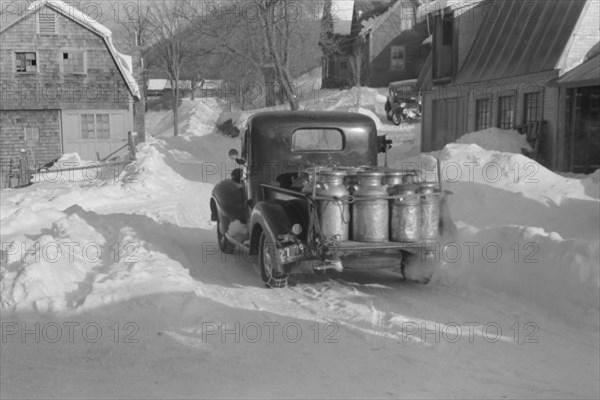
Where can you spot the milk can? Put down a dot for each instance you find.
(351, 180)
(406, 214)
(370, 211)
(393, 178)
(334, 215)
(430, 211)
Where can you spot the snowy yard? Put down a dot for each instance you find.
(113, 285)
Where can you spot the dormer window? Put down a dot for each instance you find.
(46, 23)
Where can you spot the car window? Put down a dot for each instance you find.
(317, 140)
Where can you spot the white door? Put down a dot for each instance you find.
(94, 134)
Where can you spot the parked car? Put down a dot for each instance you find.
(403, 102)
(308, 191)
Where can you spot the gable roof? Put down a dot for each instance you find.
(587, 74)
(123, 62)
(524, 38)
(372, 24)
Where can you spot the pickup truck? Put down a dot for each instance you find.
(269, 208)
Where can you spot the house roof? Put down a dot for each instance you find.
(372, 24)
(586, 74)
(123, 62)
(524, 38)
(458, 6)
(165, 84)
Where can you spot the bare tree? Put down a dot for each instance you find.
(355, 62)
(267, 36)
(168, 21)
(136, 25)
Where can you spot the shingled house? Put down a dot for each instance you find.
(384, 33)
(64, 86)
(498, 63)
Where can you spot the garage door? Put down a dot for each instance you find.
(94, 134)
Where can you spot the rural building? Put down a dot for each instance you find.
(158, 87)
(384, 38)
(64, 86)
(505, 63)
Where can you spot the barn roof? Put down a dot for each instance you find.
(124, 62)
(586, 74)
(524, 38)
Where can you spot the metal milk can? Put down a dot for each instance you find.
(370, 211)
(351, 180)
(406, 214)
(393, 178)
(334, 215)
(430, 211)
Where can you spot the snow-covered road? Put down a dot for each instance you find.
(115, 289)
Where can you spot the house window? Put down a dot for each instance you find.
(397, 58)
(533, 109)
(46, 23)
(483, 114)
(26, 62)
(73, 62)
(443, 46)
(95, 126)
(506, 112)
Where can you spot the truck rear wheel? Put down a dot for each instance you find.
(271, 270)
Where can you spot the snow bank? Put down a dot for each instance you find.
(522, 229)
(505, 140)
(559, 274)
(72, 265)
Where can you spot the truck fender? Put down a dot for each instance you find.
(276, 217)
(227, 200)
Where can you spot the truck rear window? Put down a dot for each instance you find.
(317, 140)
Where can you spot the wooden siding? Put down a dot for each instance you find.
(12, 134)
(101, 87)
(379, 72)
(434, 138)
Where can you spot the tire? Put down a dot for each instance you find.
(224, 244)
(397, 117)
(388, 110)
(271, 271)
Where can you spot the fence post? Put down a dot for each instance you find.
(25, 177)
(132, 141)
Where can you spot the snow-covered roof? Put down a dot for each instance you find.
(458, 6)
(374, 23)
(157, 84)
(165, 84)
(212, 83)
(123, 61)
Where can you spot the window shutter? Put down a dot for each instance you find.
(47, 23)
